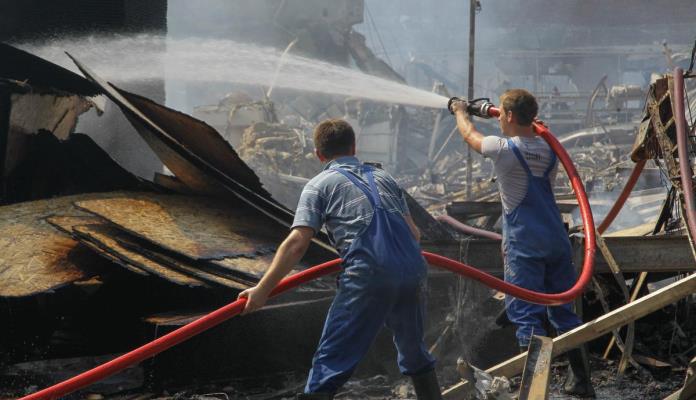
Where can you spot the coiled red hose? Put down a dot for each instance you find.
(222, 314)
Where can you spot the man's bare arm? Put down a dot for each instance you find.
(466, 127)
(288, 255)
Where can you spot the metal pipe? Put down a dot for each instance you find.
(468, 229)
(683, 151)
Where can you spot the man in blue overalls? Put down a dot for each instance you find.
(383, 277)
(536, 249)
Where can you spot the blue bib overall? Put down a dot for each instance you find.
(381, 284)
(538, 256)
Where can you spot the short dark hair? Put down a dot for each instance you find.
(522, 103)
(334, 137)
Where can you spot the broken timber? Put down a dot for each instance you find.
(627, 346)
(596, 328)
(537, 369)
(222, 237)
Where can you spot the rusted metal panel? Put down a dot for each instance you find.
(201, 229)
(34, 256)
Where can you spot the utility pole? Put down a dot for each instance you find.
(473, 6)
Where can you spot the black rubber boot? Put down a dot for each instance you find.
(578, 381)
(315, 396)
(427, 386)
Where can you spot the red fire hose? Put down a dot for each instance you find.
(222, 314)
(618, 204)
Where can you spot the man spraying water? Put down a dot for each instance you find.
(383, 276)
(536, 249)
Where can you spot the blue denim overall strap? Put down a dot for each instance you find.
(538, 255)
(381, 284)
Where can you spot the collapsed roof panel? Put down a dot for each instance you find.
(34, 256)
(213, 232)
(173, 260)
(111, 250)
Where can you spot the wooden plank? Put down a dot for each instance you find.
(598, 327)
(109, 240)
(196, 227)
(34, 256)
(537, 369)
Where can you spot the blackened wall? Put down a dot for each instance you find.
(22, 20)
(41, 20)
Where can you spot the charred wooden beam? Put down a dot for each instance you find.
(537, 369)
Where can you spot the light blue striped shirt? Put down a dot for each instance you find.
(331, 199)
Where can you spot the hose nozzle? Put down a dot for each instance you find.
(477, 107)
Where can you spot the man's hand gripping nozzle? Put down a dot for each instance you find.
(476, 107)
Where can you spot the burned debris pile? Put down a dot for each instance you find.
(94, 260)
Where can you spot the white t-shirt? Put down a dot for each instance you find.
(512, 178)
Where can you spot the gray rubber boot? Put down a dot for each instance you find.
(578, 381)
(427, 386)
